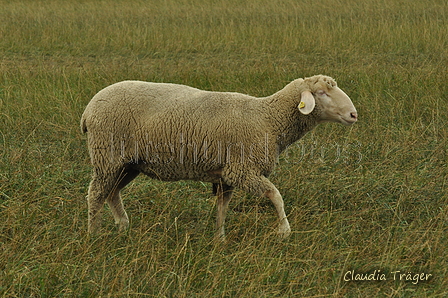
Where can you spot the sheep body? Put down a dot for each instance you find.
(175, 132)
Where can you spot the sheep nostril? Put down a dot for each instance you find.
(354, 115)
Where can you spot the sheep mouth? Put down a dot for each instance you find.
(348, 120)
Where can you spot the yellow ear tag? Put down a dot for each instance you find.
(301, 105)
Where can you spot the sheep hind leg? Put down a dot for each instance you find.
(95, 200)
(224, 194)
(115, 202)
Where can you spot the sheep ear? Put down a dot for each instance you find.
(307, 103)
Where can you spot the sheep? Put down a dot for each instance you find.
(175, 132)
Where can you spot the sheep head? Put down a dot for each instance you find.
(334, 105)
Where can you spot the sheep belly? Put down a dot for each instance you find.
(176, 172)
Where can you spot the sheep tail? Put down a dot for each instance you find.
(83, 124)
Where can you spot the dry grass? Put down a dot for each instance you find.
(370, 197)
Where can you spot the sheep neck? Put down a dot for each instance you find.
(287, 123)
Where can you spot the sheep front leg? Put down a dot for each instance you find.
(224, 194)
(284, 230)
(261, 186)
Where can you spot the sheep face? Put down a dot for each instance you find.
(335, 106)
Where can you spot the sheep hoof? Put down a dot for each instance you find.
(123, 225)
(220, 237)
(284, 232)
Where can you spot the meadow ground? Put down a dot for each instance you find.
(369, 200)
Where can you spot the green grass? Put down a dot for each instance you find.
(369, 197)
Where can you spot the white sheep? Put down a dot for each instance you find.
(175, 132)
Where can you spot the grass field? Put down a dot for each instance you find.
(362, 201)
